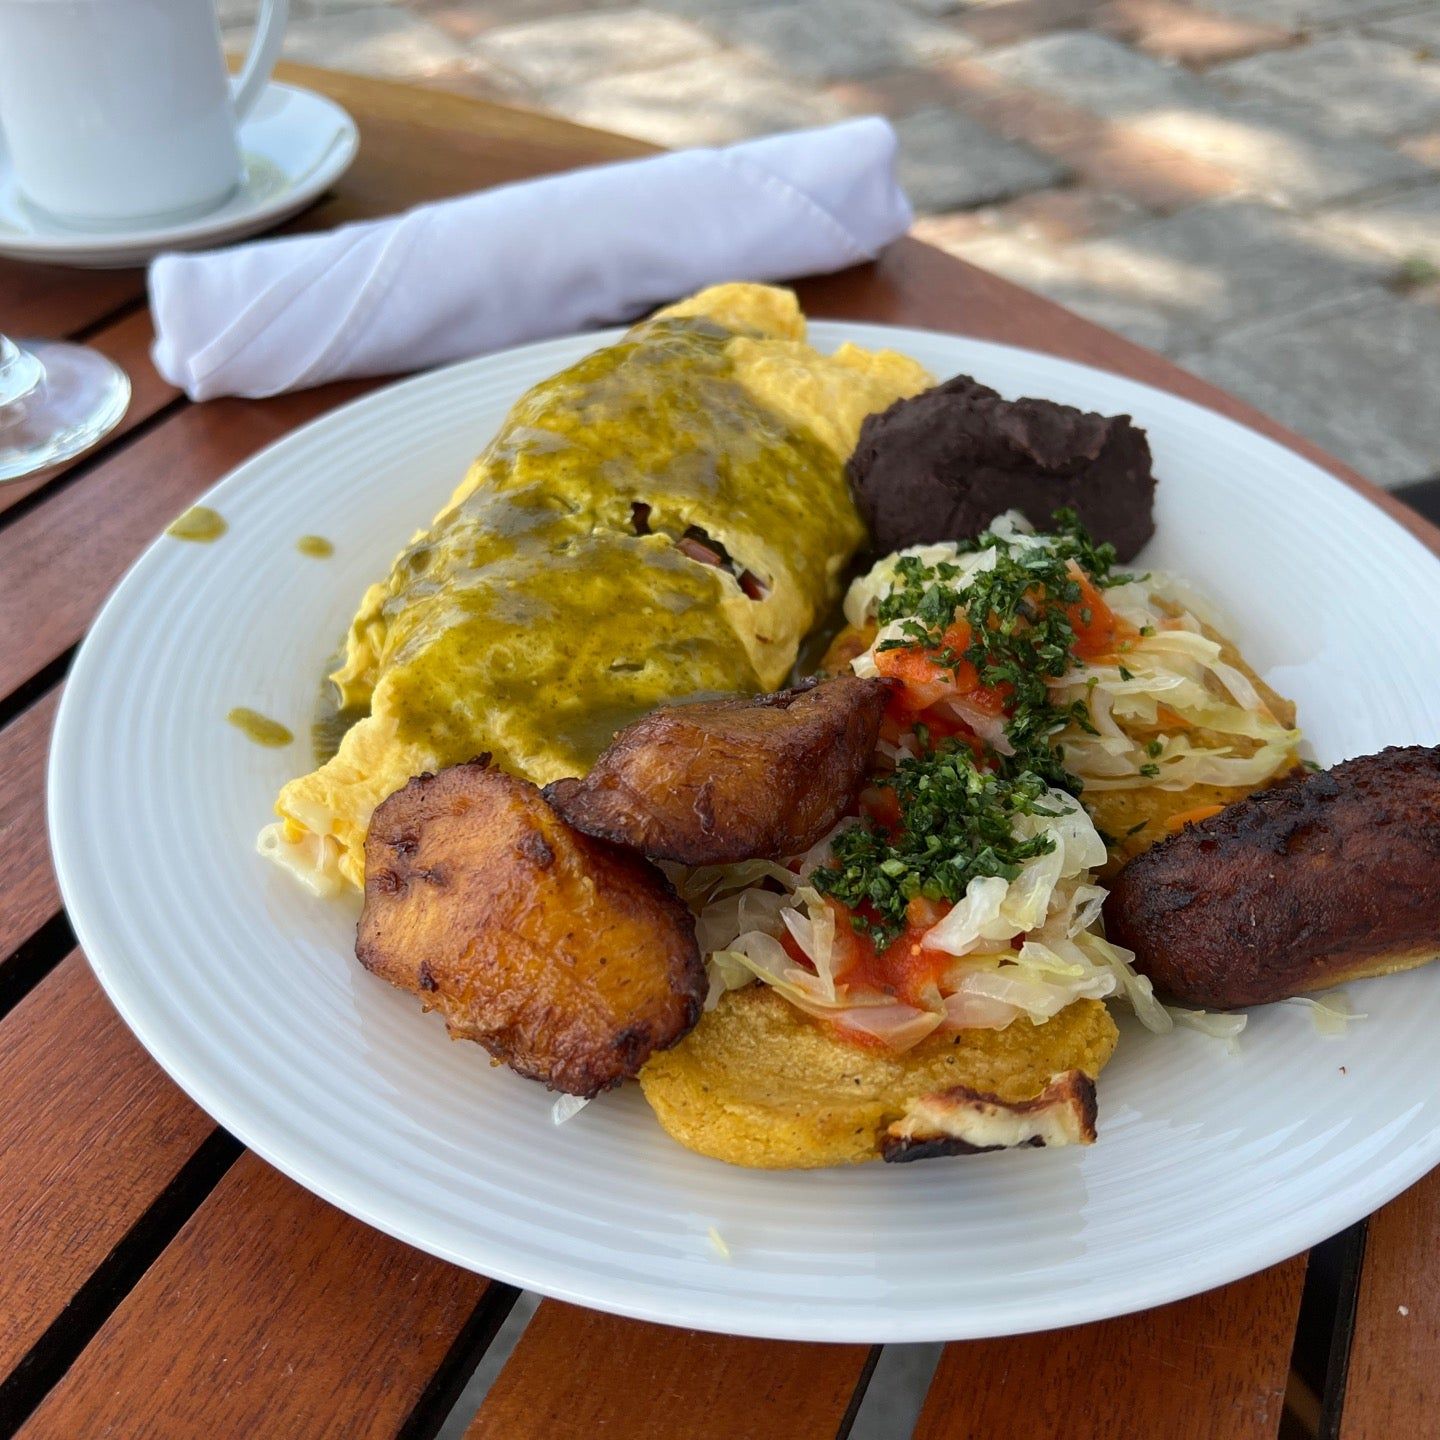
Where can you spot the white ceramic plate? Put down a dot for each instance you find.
(1209, 1166)
(294, 143)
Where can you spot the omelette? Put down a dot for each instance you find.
(664, 520)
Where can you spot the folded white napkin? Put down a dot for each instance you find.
(522, 262)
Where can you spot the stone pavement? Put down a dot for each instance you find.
(1250, 186)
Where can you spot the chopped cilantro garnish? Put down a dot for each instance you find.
(956, 817)
(1020, 628)
(1154, 747)
(956, 823)
(1150, 771)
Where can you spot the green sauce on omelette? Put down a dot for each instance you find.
(537, 585)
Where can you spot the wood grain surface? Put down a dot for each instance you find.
(1209, 1368)
(91, 1132)
(580, 1375)
(51, 302)
(29, 896)
(271, 1314)
(1394, 1383)
(418, 145)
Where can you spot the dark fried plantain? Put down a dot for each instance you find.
(1324, 878)
(730, 780)
(571, 961)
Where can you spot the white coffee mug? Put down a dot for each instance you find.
(119, 113)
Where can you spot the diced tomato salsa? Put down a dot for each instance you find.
(904, 969)
(927, 677)
(1099, 631)
(926, 681)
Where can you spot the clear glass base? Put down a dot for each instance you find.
(55, 401)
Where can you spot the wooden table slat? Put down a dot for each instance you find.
(52, 302)
(91, 1132)
(577, 1374)
(271, 1314)
(421, 145)
(1393, 1386)
(1209, 1368)
(127, 342)
(29, 896)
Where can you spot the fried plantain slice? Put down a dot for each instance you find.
(726, 780)
(757, 1083)
(571, 961)
(1324, 878)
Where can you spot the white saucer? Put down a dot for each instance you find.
(295, 144)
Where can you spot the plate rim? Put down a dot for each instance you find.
(706, 1310)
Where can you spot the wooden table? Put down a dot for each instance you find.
(158, 1280)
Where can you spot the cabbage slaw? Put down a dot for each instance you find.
(1170, 663)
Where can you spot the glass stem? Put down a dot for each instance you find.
(20, 372)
